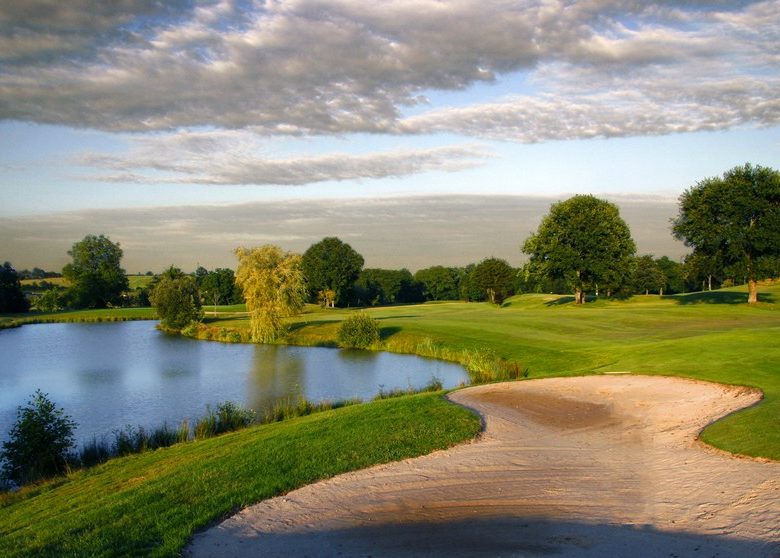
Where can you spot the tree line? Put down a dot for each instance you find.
(731, 223)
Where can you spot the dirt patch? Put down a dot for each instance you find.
(594, 466)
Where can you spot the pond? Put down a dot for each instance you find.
(107, 376)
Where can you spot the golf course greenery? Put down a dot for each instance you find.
(151, 503)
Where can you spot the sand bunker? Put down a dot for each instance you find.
(593, 466)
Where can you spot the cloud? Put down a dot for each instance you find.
(347, 66)
(236, 158)
(390, 233)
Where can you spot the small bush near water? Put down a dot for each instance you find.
(39, 442)
(358, 331)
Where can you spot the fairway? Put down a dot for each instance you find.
(712, 336)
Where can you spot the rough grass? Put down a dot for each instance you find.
(150, 504)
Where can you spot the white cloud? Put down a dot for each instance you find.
(236, 158)
(345, 66)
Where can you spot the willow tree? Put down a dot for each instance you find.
(735, 220)
(273, 286)
(584, 242)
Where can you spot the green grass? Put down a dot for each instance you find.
(150, 504)
(104, 315)
(710, 336)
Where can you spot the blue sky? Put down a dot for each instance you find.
(111, 107)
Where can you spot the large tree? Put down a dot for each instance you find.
(11, 296)
(584, 241)
(96, 278)
(439, 282)
(176, 297)
(273, 286)
(735, 218)
(495, 277)
(387, 286)
(331, 266)
(219, 287)
(648, 276)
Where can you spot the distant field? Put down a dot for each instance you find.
(134, 280)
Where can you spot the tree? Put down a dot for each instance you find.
(12, 298)
(494, 277)
(331, 265)
(39, 442)
(584, 241)
(648, 275)
(736, 219)
(387, 286)
(439, 282)
(219, 287)
(176, 297)
(674, 273)
(273, 286)
(95, 276)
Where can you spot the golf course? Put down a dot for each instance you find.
(153, 503)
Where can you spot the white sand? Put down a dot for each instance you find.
(593, 466)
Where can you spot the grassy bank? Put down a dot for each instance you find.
(710, 336)
(77, 316)
(150, 504)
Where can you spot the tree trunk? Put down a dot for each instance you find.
(752, 291)
(709, 282)
(579, 296)
(661, 291)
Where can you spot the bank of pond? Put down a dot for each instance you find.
(119, 380)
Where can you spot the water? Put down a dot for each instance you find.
(107, 376)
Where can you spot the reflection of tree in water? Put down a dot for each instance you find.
(277, 373)
(357, 356)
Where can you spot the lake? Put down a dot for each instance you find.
(107, 376)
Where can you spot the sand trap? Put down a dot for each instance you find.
(593, 466)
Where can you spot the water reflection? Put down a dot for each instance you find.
(109, 375)
(277, 373)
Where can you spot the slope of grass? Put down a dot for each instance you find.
(150, 504)
(710, 336)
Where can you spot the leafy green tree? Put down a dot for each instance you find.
(673, 271)
(176, 297)
(50, 301)
(387, 286)
(273, 286)
(495, 277)
(96, 278)
(468, 291)
(12, 298)
(584, 241)
(39, 442)
(439, 282)
(735, 218)
(331, 265)
(648, 275)
(219, 287)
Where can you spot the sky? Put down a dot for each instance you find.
(421, 132)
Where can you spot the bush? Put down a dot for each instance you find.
(39, 442)
(359, 331)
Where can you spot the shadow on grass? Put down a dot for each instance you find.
(718, 297)
(387, 332)
(498, 536)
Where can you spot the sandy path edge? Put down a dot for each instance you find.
(583, 466)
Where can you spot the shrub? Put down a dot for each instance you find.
(229, 416)
(359, 331)
(39, 442)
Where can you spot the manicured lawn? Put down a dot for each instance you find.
(150, 504)
(710, 336)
